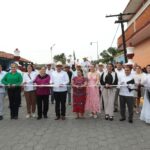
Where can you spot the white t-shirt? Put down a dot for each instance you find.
(133, 72)
(120, 73)
(49, 72)
(29, 79)
(36, 72)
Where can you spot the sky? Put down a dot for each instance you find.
(33, 26)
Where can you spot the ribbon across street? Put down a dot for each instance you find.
(63, 85)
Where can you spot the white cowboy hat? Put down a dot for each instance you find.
(100, 64)
(59, 63)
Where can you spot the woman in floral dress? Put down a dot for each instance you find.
(79, 94)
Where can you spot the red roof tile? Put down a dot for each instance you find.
(11, 56)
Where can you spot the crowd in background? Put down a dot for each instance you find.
(87, 87)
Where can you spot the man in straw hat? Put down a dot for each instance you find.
(60, 80)
(100, 69)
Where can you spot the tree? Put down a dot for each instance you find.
(109, 55)
(60, 57)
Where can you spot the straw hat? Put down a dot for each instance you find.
(59, 63)
(100, 64)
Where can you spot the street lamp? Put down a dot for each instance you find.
(97, 48)
(51, 49)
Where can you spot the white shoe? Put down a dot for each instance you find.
(91, 115)
(28, 116)
(33, 115)
(94, 116)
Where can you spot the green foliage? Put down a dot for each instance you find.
(60, 57)
(109, 55)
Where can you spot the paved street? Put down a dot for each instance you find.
(72, 134)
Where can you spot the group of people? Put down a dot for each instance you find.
(91, 89)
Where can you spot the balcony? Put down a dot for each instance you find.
(138, 30)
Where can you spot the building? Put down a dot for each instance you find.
(6, 59)
(119, 58)
(137, 33)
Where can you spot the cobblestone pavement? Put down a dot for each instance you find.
(72, 134)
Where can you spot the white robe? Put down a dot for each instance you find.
(145, 113)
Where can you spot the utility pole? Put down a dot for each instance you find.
(122, 21)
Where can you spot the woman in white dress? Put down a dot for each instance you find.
(145, 113)
(138, 77)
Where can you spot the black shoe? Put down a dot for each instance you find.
(111, 118)
(106, 117)
(16, 118)
(63, 118)
(122, 119)
(11, 117)
(45, 116)
(130, 121)
(38, 118)
(115, 110)
(1, 117)
(57, 118)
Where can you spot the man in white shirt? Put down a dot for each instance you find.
(85, 66)
(60, 80)
(69, 63)
(133, 71)
(49, 71)
(100, 69)
(120, 72)
(127, 94)
(2, 92)
(85, 63)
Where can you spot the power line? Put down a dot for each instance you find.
(115, 35)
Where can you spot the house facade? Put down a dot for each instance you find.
(6, 59)
(137, 33)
